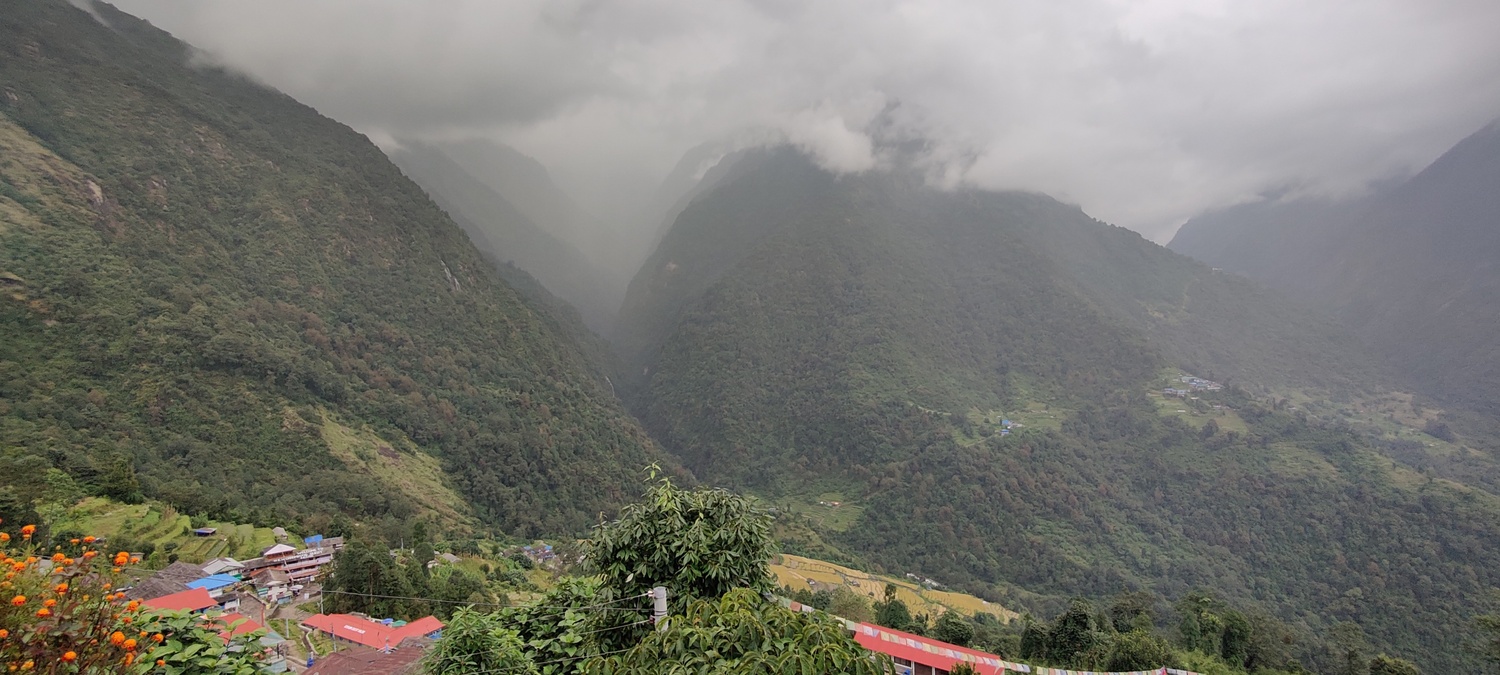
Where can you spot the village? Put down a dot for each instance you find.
(274, 593)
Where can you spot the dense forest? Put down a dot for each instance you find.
(864, 335)
(205, 281)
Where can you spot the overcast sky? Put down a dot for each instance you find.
(1143, 112)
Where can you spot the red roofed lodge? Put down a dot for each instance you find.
(374, 634)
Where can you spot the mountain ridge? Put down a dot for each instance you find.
(198, 268)
(981, 376)
(1392, 266)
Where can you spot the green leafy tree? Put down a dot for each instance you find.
(1235, 641)
(565, 625)
(1133, 611)
(364, 579)
(697, 543)
(1488, 626)
(195, 645)
(1033, 640)
(849, 605)
(1350, 642)
(1138, 650)
(1073, 634)
(892, 612)
(475, 642)
(953, 628)
(1390, 665)
(742, 633)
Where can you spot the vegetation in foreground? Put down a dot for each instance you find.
(62, 614)
(711, 549)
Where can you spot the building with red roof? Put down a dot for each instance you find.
(363, 661)
(917, 655)
(373, 634)
(192, 600)
(246, 625)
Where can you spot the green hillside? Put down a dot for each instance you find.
(1409, 268)
(502, 230)
(199, 274)
(801, 334)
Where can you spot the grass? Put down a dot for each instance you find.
(398, 464)
(1188, 411)
(797, 572)
(828, 511)
(1035, 415)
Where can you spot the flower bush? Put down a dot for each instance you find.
(62, 613)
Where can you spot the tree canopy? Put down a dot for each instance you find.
(742, 633)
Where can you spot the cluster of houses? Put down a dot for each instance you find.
(223, 586)
(539, 554)
(1198, 384)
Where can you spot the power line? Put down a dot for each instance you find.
(605, 606)
(513, 669)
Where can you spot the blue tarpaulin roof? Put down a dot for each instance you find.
(215, 581)
(313, 539)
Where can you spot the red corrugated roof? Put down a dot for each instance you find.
(926, 651)
(191, 600)
(247, 624)
(362, 661)
(370, 633)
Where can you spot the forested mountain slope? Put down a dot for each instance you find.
(502, 230)
(799, 333)
(215, 296)
(1411, 269)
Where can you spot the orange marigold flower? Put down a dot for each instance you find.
(89, 539)
(43, 613)
(129, 659)
(28, 530)
(4, 537)
(49, 602)
(58, 557)
(161, 662)
(61, 588)
(18, 600)
(68, 561)
(72, 541)
(115, 570)
(135, 560)
(88, 555)
(28, 665)
(129, 645)
(70, 656)
(158, 637)
(4, 633)
(125, 620)
(134, 605)
(116, 638)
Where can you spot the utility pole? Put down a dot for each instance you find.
(659, 607)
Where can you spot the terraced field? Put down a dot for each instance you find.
(169, 531)
(798, 572)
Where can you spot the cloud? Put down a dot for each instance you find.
(1144, 112)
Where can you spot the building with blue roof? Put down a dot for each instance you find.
(214, 584)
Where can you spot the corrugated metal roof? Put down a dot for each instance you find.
(215, 581)
(191, 600)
